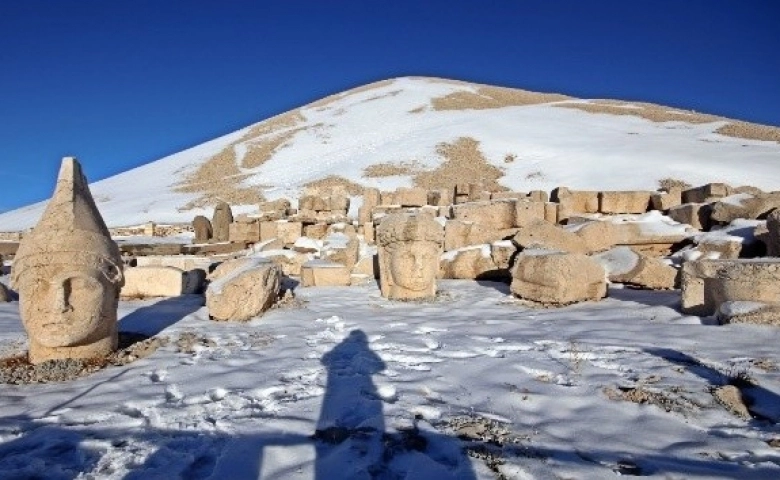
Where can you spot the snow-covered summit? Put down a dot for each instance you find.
(416, 130)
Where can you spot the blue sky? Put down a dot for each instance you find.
(122, 83)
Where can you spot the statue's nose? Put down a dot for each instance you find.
(63, 301)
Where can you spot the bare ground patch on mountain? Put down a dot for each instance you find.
(333, 183)
(324, 103)
(220, 178)
(392, 169)
(660, 113)
(487, 97)
(463, 163)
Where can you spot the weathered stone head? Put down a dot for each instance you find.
(409, 250)
(68, 273)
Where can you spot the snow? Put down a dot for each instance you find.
(566, 146)
(247, 405)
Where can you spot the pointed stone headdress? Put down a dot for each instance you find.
(71, 231)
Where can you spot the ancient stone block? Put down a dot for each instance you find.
(526, 212)
(499, 214)
(558, 278)
(706, 193)
(322, 273)
(244, 232)
(411, 197)
(542, 234)
(572, 202)
(551, 212)
(278, 205)
(663, 201)
(538, 196)
(409, 250)
(650, 273)
(68, 273)
(220, 222)
(470, 263)
(696, 215)
(773, 234)
(157, 281)
(748, 312)
(744, 205)
(288, 232)
(317, 231)
(202, 227)
(245, 292)
(616, 202)
(706, 284)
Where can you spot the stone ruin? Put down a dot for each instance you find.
(68, 273)
(552, 249)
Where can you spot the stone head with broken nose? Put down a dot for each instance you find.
(68, 273)
(409, 250)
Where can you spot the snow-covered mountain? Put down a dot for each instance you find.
(432, 132)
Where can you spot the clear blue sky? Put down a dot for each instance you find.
(121, 83)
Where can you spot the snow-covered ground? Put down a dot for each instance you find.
(385, 124)
(391, 385)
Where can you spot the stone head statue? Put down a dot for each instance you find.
(409, 250)
(68, 273)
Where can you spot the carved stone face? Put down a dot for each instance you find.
(63, 306)
(413, 265)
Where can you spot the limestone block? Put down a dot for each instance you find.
(597, 236)
(459, 234)
(538, 196)
(542, 234)
(269, 230)
(245, 292)
(347, 229)
(649, 272)
(663, 201)
(773, 234)
(371, 197)
(706, 193)
(499, 214)
(616, 202)
(551, 212)
(509, 196)
(696, 215)
(265, 245)
(388, 198)
(706, 284)
(314, 203)
(753, 313)
(156, 281)
(288, 232)
(246, 232)
(411, 197)
(317, 231)
(220, 222)
(202, 227)
(365, 214)
(5, 294)
(470, 263)
(461, 199)
(558, 278)
(369, 233)
(278, 205)
(339, 202)
(572, 202)
(745, 205)
(526, 212)
(182, 262)
(290, 261)
(322, 273)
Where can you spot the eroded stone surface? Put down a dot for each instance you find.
(558, 278)
(246, 291)
(68, 273)
(409, 250)
(220, 222)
